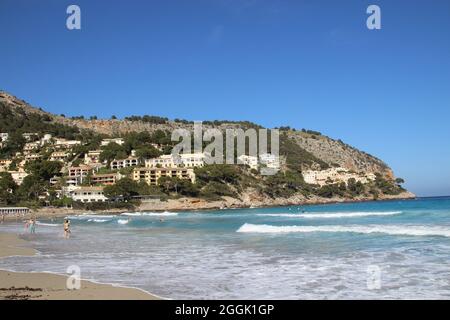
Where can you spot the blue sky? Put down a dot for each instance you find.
(311, 64)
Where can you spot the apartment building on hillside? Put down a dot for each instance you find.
(125, 163)
(152, 175)
(88, 194)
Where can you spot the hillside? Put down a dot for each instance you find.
(301, 151)
(319, 146)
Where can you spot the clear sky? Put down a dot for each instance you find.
(311, 64)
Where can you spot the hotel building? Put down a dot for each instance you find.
(33, 157)
(106, 179)
(88, 194)
(81, 171)
(125, 163)
(66, 144)
(152, 175)
(188, 160)
(58, 156)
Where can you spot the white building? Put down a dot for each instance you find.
(92, 157)
(55, 180)
(46, 139)
(4, 164)
(30, 136)
(88, 194)
(270, 160)
(4, 136)
(80, 171)
(125, 163)
(250, 161)
(59, 156)
(30, 146)
(73, 181)
(191, 160)
(66, 144)
(164, 161)
(119, 141)
(188, 160)
(18, 176)
(33, 157)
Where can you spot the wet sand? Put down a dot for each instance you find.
(47, 286)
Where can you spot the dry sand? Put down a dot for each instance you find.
(46, 286)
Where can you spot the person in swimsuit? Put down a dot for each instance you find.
(66, 228)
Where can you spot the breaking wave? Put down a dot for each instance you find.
(122, 221)
(47, 224)
(390, 230)
(99, 220)
(89, 217)
(150, 214)
(330, 215)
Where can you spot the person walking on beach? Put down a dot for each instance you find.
(33, 226)
(66, 229)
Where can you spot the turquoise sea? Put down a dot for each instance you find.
(372, 250)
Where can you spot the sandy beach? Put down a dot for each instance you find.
(46, 286)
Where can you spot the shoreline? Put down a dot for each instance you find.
(51, 286)
(199, 205)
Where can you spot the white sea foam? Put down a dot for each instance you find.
(150, 214)
(331, 215)
(407, 230)
(122, 221)
(47, 224)
(89, 216)
(165, 213)
(99, 220)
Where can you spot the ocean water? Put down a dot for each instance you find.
(373, 250)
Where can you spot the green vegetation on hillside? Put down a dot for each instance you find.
(36, 184)
(148, 119)
(22, 122)
(242, 124)
(296, 157)
(18, 122)
(141, 142)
